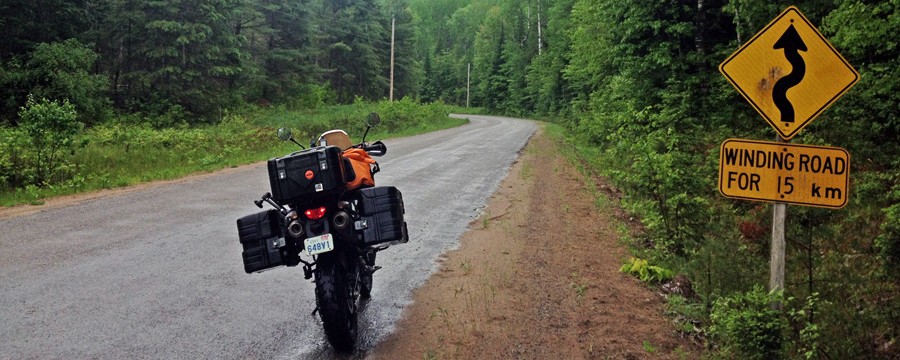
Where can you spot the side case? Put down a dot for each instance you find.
(260, 235)
(315, 171)
(381, 211)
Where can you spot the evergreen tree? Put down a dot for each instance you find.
(27, 23)
(355, 49)
(287, 56)
(193, 55)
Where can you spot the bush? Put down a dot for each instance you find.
(746, 326)
(62, 70)
(12, 144)
(314, 96)
(51, 127)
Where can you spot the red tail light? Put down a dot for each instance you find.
(315, 214)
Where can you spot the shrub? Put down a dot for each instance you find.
(11, 144)
(746, 326)
(51, 127)
(62, 70)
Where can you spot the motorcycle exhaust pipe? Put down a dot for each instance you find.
(341, 220)
(343, 224)
(295, 229)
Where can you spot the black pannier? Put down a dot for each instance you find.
(381, 211)
(315, 171)
(260, 234)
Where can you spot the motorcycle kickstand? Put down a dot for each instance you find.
(316, 310)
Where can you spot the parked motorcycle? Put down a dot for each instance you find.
(330, 218)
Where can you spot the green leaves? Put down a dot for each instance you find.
(747, 327)
(51, 127)
(646, 272)
(60, 71)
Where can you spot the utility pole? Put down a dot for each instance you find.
(391, 95)
(539, 27)
(468, 79)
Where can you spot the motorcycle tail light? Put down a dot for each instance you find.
(315, 214)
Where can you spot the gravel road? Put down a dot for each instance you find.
(157, 272)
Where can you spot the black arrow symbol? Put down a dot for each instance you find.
(792, 44)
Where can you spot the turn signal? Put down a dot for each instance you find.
(315, 214)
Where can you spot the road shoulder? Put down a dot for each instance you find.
(536, 276)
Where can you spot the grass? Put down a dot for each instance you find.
(579, 285)
(485, 219)
(648, 347)
(118, 155)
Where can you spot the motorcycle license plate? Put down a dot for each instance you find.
(319, 244)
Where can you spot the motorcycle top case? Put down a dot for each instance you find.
(315, 171)
(381, 211)
(260, 235)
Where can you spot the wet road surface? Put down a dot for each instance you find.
(157, 273)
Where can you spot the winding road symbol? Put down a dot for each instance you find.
(792, 44)
(789, 72)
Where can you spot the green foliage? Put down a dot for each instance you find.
(686, 314)
(807, 345)
(13, 149)
(118, 154)
(314, 96)
(59, 71)
(192, 61)
(649, 348)
(635, 84)
(647, 273)
(51, 127)
(888, 242)
(28, 23)
(864, 33)
(354, 36)
(746, 325)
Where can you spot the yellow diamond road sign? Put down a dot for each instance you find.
(789, 72)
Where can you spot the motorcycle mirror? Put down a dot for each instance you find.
(284, 134)
(373, 120)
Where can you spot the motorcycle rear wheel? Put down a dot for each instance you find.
(337, 303)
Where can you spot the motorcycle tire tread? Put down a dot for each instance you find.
(338, 320)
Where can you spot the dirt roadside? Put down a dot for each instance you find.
(536, 277)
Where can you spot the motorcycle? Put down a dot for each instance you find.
(329, 217)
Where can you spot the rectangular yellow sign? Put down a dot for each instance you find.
(783, 172)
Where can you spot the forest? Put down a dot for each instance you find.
(633, 84)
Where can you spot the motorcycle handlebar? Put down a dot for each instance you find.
(376, 149)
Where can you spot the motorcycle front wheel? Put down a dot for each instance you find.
(336, 302)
